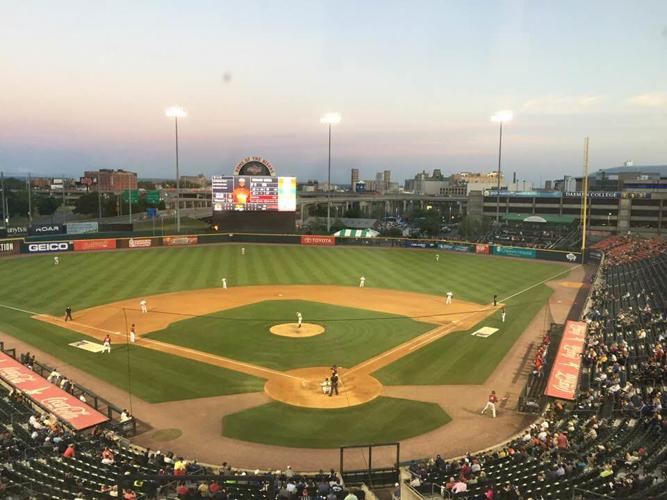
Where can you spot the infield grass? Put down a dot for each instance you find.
(382, 420)
(351, 335)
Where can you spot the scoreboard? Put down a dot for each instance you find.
(254, 194)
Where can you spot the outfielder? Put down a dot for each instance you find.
(133, 334)
(299, 319)
(491, 403)
(242, 250)
(448, 300)
(362, 282)
(437, 257)
(143, 305)
(56, 260)
(224, 283)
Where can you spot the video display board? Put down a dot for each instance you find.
(245, 193)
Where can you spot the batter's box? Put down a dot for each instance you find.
(88, 346)
(484, 332)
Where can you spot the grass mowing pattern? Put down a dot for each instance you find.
(351, 336)
(382, 420)
(85, 280)
(156, 377)
(460, 358)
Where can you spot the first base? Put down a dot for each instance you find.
(484, 332)
(88, 346)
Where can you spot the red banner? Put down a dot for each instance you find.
(565, 372)
(65, 406)
(83, 245)
(320, 241)
(483, 249)
(173, 241)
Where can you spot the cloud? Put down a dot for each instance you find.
(650, 100)
(558, 104)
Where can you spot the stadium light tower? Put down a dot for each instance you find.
(500, 117)
(177, 112)
(329, 119)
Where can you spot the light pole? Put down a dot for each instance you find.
(329, 119)
(177, 112)
(500, 117)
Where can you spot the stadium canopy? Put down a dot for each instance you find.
(356, 233)
(540, 219)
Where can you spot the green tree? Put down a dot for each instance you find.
(47, 205)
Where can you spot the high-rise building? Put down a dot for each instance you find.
(354, 179)
(111, 181)
(386, 179)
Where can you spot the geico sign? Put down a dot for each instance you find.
(48, 247)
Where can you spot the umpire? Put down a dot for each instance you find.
(68, 313)
(334, 384)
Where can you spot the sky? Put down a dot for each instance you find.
(84, 85)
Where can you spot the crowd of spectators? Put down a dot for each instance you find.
(532, 235)
(612, 439)
(623, 249)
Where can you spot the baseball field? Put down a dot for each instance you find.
(198, 340)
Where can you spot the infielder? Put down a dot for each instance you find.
(491, 403)
(224, 283)
(299, 319)
(107, 344)
(133, 334)
(143, 305)
(56, 260)
(503, 314)
(448, 300)
(362, 282)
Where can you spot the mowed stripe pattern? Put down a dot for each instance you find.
(85, 280)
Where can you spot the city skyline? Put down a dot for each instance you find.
(86, 86)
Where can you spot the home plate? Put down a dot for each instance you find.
(485, 331)
(88, 346)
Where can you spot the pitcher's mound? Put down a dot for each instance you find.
(293, 330)
(302, 388)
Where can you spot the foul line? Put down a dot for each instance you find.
(19, 309)
(568, 270)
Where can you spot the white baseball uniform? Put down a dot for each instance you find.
(437, 257)
(107, 346)
(242, 250)
(362, 282)
(503, 315)
(144, 306)
(224, 283)
(133, 336)
(56, 260)
(449, 298)
(299, 319)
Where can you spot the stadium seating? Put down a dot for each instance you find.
(535, 235)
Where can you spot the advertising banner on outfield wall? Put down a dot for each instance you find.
(571, 257)
(455, 248)
(65, 406)
(482, 249)
(139, 243)
(85, 245)
(174, 241)
(47, 247)
(9, 248)
(319, 241)
(45, 229)
(526, 253)
(565, 371)
(81, 227)
(16, 231)
(420, 244)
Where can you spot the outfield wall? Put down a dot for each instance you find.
(16, 246)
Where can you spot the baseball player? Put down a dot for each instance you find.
(68, 314)
(143, 305)
(503, 314)
(334, 384)
(242, 250)
(107, 344)
(448, 300)
(56, 260)
(437, 257)
(362, 281)
(299, 319)
(224, 283)
(495, 300)
(491, 403)
(133, 334)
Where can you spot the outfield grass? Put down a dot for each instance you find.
(351, 336)
(87, 279)
(155, 377)
(382, 420)
(460, 358)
